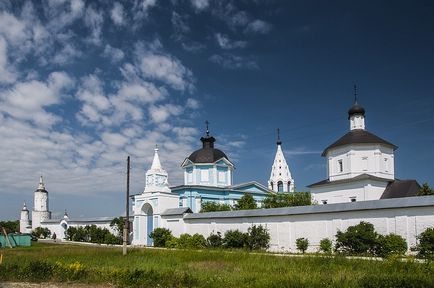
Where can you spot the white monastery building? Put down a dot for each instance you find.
(360, 186)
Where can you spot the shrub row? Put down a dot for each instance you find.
(256, 238)
(92, 234)
(362, 239)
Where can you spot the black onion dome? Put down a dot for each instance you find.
(356, 109)
(208, 154)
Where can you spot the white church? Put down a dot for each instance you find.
(360, 186)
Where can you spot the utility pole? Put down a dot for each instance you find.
(127, 210)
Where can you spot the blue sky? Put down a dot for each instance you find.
(84, 84)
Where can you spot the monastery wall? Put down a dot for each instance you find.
(407, 217)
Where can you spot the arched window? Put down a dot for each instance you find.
(280, 186)
(289, 186)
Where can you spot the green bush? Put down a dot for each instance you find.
(10, 226)
(391, 244)
(40, 232)
(211, 206)
(214, 240)
(197, 241)
(160, 236)
(302, 244)
(246, 202)
(258, 238)
(172, 242)
(358, 239)
(425, 247)
(92, 234)
(183, 241)
(287, 200)
(325, 245)
(234, 239)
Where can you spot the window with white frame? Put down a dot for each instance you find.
(386, 165)
(365, 163)
(340, 166)
(204, 175)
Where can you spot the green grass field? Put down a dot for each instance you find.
(207, 268)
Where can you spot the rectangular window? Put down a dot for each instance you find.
(221, 176)
(386, 165)
(340, 166)
(365, 163)
(204, 175)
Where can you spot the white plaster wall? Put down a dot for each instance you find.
(353, 164)
(340, 193)
(285, 229)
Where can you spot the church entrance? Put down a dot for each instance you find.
(149, 213)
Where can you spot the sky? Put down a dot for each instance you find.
(84, 84)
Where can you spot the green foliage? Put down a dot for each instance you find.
(117, 224)
(211, 206)
(10, 226)
(389, 245)
(40, 232)
(160, 236)
(214, 240)
(325, 245)
(287, 200)
(246, 202)
(358, 239)
(425, 190)
(79, 265)
(172, 242)
(302, 244)
(257, 238)
(235, 239)
(425, 247)
(191, 241)
(92, 234)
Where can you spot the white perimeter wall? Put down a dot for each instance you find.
(285, 229)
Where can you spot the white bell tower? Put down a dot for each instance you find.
(25, 220)
(280, 178)
(156, 177)
(40, 211)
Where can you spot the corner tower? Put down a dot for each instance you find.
(156, 177)
(25, 220)
(40, 211)
(280, 178)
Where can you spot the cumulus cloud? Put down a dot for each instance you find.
(200, 5)
(114, 54)
(258, 26)
(230, 61)
(117, 14)
(6, 75)
(225, 43)
(94, 19)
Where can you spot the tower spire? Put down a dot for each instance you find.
(156, 165)
(278, 137)
(207, 128)
(355, 94)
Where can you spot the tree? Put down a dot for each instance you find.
(258, 238)
(325, 245)
(160, 236)
(211, 206)
(425, 247)
(214, 240)
(358, 239)
(425, 190)
(40, 232)
(234, 239)
(287, 200)
(246, 202)
(302, 244)
(391, 244)
(117, 224)
(10, 226)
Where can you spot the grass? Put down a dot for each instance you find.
(206, 268)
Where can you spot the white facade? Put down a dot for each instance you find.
(407, 217)
(280, 176)
(148, 206)
(40, 211)
(25, 226)
(360, 165)
(217, 174)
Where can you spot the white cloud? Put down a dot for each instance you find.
(225, 43)
(162, 113)
(6, 75)
(115, 54)
(27, 100)
(258, 26)
(193, 46)
(230, 61)
(66, 55)
(117, 14)
(141, 7)
(200, 4)
(12, 29)
(94, 19)
(192, 103)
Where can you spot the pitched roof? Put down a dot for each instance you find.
(401, 188)
(176, 211)
(358, 136)
(347, 180)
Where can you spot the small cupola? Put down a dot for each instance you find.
(356, 114)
